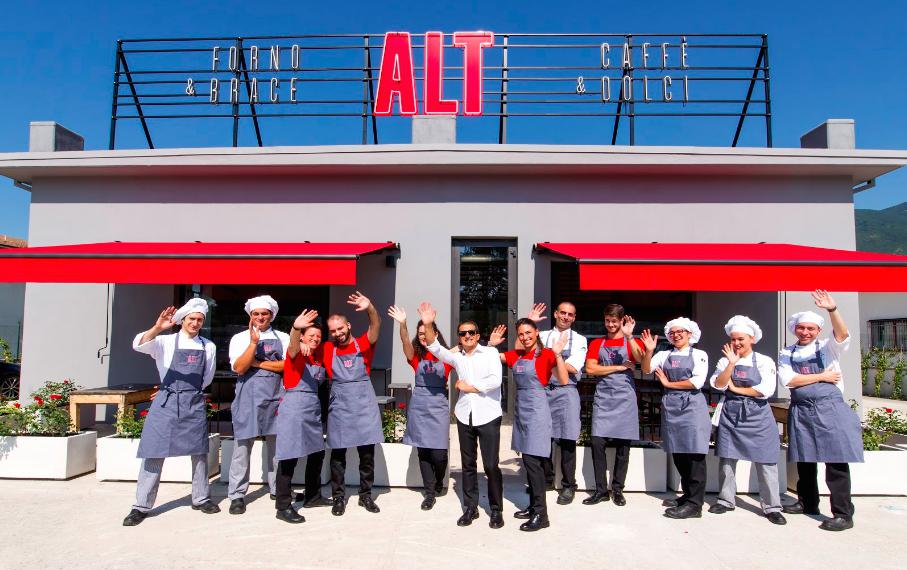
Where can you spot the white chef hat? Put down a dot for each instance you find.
(196, 305)
(262, 302)
(745, 325)
(685, 324)
(804, 317)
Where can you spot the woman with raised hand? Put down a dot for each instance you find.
(532, 368)
(685, 424)
(428, 413)
(746, 425)
(821, 426)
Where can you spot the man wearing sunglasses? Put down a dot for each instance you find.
(478, 413)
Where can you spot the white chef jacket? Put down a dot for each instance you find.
(482, 369)
(830, 350)
(578, 348)
(764, 364)
(162, 347)
(700, 363)
(240, 342)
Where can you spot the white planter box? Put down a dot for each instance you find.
(647, 470)
(396, 465)
(117, 461)
(882, 473)
(747, 481)
(258, 464)
(39, 457)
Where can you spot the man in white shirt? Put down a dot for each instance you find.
(478, 413)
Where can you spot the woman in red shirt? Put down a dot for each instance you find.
(428, 414)
(533, 366)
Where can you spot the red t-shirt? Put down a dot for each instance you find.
(293, 369)
(414, 362)
(368, 352)
(596, 346)
(544, 363)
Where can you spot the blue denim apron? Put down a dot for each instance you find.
(531, 417)
(821, 426)
(685, 423)
(177, 422)
(299, 428)
(258, 391)
(747, 428)
(353, 415)
(563, 399)
(428, 415)
(614, 410)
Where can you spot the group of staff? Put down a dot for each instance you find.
(279, 377)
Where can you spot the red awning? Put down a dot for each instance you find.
(730, 267)
(203, 263)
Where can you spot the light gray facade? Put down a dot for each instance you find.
(422, 197)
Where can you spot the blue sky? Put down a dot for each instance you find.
(829, 59)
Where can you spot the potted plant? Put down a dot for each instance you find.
(37, 440)
(116, 454)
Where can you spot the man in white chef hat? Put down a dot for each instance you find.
(177, 423)
(257, 356)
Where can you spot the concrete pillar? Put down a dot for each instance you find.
(833, 133)
(428, 129)
(48, 136)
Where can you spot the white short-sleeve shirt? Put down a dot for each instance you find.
(162, 347)
(830, 350)
(700, 363)
(578, 348)
(764, 364)
(240, 342)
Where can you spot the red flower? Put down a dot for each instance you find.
(214, 407)
(401, 406)
(889, 410)
(143, 413)
(56, 397)
(713, 405)
(17, 405)
(39, 401)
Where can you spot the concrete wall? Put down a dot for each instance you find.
(423, 214)
(12, 307)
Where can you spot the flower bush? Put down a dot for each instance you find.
(887, 420)
(130, 423)
(47, 415)
(394, 424)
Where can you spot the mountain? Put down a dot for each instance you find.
(882, 231)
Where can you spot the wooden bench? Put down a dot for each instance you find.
(125, 396)
(780, 410)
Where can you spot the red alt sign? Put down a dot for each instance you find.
(397, 77)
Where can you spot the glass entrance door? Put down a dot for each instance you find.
(484, 291)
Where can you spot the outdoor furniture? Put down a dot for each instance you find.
(400, 391)
(780, 410)
(125, 396)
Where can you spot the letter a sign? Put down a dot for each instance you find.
(397, 77)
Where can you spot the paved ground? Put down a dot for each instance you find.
(870, 403)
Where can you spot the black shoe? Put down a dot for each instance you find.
(237, 507)
(837, 524)
(776, 518)
(469, 515)
(524, 514)
(597, 498)
(497, 519)
(207, 507)
(685, 511)
(619, 499)
(272, 496)
(316, 501)
(440, 491)
(719, 509)
(134, 518)
(290, 515)
(798, 509)
(669, 503)
(428, 503)
(535, 523)
(339, 507)
(565, 497)
(369, 504)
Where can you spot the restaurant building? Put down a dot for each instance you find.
(482, 230)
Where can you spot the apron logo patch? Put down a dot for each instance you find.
(347, 363)
(192, 359)
(519, 368)
(675, 364)
(804, 370)
(269, 347)
(741, 374)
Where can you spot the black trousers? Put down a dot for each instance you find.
(366, 470)
(285, 470)
(692, 469)
(489, 437)
(568, 463)
(535, 476)
(433, 465)
(837, 477)
(600, 463)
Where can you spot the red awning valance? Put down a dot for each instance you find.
(203, 263)
(730, 267)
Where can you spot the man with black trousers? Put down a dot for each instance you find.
(478, 413)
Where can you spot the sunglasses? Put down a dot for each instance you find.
(467, 333)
